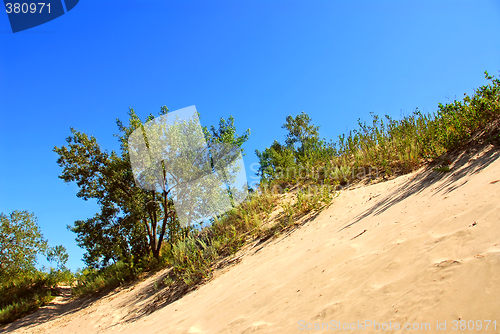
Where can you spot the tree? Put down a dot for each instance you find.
(105, 177)
(275, 160)
(224, 144)
(226, 133)
(301, 132)
(59, 255)
(21, 240)
(133, 222)
(302, 144)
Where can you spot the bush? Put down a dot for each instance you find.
(90, 281)
(25, 293)
(387, 145)
(193, 258)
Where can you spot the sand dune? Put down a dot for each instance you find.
(421, 249)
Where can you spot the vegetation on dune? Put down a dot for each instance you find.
(133, 222)
(23, 288)
(315, 168)
(387, 146)
(137, 230)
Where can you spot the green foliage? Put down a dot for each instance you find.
(226, 133)
(288, 210)
(106, 177)
(301, 132)
(132, 222)
(275, 162)
(21, 240)
(386, 146)
(90, 281)
(23, 288)
(59, 255)
(342, 174)
(292, 162)
(442, 169)
(193, 258)
(23, 294)
(310, 198)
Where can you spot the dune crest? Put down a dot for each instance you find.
(423, 248)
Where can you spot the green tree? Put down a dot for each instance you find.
(226, 133)
(301, 132)
(59, 255)
(21, 240)
(133, 222)
(275, 161)
(224, 140)
(302, 146)
(107, 178)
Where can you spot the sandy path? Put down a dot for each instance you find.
(420, 249)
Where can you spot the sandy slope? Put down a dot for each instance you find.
(421, 248)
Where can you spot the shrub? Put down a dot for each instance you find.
(91, 281)
(391, 146)
(24, 293)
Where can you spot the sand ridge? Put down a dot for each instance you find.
(422, 248)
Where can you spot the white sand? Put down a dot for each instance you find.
(430, 252)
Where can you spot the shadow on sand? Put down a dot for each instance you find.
(61, 305)
(463, 166)
(171, 294)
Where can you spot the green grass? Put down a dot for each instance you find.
(193, 258)
(26, 292)
(385, 147)
(92, 281)
(442, 169)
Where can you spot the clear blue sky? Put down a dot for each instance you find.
(256, 60)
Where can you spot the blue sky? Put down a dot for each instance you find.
(256, 60)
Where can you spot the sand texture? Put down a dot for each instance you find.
(421, 248)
